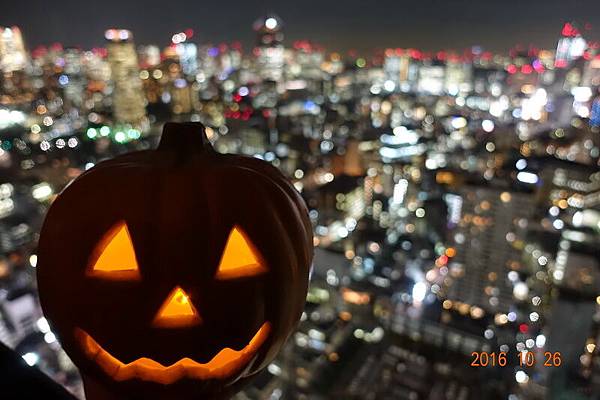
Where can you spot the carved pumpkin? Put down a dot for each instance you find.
(175, 273)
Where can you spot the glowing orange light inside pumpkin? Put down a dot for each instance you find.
(114, 256)
(240, 258)
(226, 362)
(177, 311)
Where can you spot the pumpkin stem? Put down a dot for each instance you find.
(185, 138)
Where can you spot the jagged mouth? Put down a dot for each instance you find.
(223, 364)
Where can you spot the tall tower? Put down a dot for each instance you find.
(571, 46)
(269, 49)
(73, 79)
(129, 103)
(490, 225)
(12, 50)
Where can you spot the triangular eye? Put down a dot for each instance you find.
(114, 256)
(240, 257)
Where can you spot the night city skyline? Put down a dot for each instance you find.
(218, 200)
(429, 25)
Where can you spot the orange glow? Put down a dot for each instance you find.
(353, 297)
(240, 258)
(222, 365)
(115, 256)
(177, 311)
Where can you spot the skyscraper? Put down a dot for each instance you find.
(487, 241)
(12, 50)
(269, 50)
(129, 104)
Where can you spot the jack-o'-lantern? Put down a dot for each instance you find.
(177, 272)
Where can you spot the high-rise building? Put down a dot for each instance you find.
(571, 46)
(73, 79)
(129, 103)
(400, 69)
(188, 57)
(490, 225)
(269, 50)
(12, 50)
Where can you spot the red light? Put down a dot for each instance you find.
(39, 52)
(511, 69)
(523, 328)
(527, 69)
(441, 55)
(416, 54)
(487, 55)
(560, 63)
(569, 30)
(189, 32)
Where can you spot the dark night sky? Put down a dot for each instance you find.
(338, 25)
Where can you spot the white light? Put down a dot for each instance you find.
(534, 317)
(41, 192)
(520, 291)
(521, 164)
(581, 93)
(540, 341)
(558, 224)
(31, 358)
(49, 337)
(389, 85)
(521, 377)
(487, 125)
(419, 291)
(243, 91)
(43, 325)
(120, 136)
(513, 276)
(271, 23)
(527, 177)
(458, 122)
(400, 130)
(274, 369)
(558, 275)
(33, 260)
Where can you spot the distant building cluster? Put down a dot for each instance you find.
(455, 197)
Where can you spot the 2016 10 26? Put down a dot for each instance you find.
(526, 359)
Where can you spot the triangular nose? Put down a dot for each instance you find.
(177, 311)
